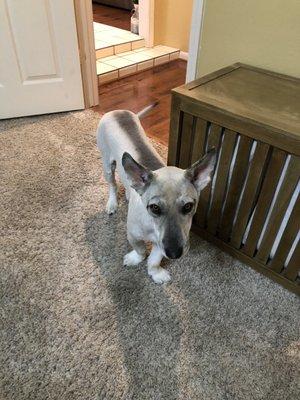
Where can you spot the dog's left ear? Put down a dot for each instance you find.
(139, 176)
(201, 172)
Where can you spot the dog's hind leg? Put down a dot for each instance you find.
(109, 168)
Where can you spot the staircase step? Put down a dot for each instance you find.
(111, 41)
(127, 63)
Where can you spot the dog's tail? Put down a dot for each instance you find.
(144, 111)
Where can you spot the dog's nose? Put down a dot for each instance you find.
(174, 253)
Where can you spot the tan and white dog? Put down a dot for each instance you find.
(162, 200)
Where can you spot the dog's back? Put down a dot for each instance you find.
(121, 131)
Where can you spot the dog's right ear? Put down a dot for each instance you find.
(200, 173)
(139, 176)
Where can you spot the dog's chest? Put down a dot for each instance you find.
(145, 231)
(150, 234)
(143, 228)
(139, 222)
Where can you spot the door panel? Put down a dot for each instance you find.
(40, 68)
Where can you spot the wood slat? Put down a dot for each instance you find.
(250, 193)
(279, 209)
(227, 149)
(293, 266)
(175, 131)
(198, 146)
(235, 187)
(265, 198)
(287, 239)
(186, 140)
(293, 286)
(214, 140)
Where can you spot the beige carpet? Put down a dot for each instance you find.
(75, 324)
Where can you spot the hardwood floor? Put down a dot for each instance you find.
(137, 91)
(112, 16)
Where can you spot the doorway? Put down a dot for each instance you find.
(120, 52)
(132, 74)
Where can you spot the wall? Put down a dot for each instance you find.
(172, 20)
(263, 33)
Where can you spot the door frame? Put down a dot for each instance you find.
(86, 44)
(195, 39)
(146, 21)
(87, 54)
(146, 12)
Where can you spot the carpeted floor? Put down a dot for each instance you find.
(75, 324)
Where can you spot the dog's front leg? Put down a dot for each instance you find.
(157, 273)
(138, 254)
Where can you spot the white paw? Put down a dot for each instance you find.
(111, 207)
(132, 258)
(159, 275)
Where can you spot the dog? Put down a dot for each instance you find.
(162, 199)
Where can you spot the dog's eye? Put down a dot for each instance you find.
(155, 209)
(187, 208)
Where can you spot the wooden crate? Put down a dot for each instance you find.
(252, 207)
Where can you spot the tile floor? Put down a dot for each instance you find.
(121, 53)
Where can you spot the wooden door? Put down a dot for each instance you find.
(40, 67)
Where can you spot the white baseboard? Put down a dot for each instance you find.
(184, 55)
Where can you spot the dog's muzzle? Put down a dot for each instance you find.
(174, 253)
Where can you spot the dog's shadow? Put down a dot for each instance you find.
(147, 322)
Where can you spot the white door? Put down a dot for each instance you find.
(39, 58)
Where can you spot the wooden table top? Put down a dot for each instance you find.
(250, 93)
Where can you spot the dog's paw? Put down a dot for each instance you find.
(111, 207)
(132, 258)
(159, 275)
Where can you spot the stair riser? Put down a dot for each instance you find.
(119, 48)
(136, 68)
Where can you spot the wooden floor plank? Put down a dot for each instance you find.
(112, 16)
(138, 91)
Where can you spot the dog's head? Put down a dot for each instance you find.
(171, 196)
